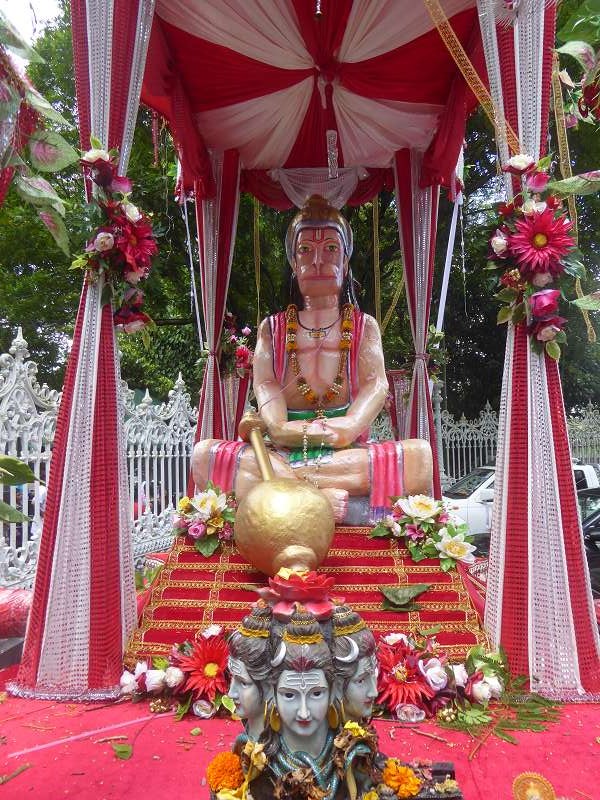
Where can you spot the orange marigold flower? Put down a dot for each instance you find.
(225, 772)
(401, 779)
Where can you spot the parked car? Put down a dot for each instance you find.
(589, 504)
(471, 497)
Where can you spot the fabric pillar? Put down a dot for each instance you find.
(83, 609)
(217, 224)
(538, 603)
(417, 224)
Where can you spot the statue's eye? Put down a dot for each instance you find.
(303, 248)
(333, 248)
(317, 693)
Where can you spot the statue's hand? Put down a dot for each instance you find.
(340, 431)
(292, 434)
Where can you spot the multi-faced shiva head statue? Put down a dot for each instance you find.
(355, 663)
(250, 658)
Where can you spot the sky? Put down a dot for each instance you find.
(29, 16)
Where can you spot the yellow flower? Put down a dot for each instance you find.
(184, 506)
(372, 795)
(401, 779)
(355, 729)
(214, 524)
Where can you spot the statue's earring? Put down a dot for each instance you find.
(342, 712)
(265, 714)
(333, 718)
(274, 719)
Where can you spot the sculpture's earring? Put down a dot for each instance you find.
(274, 719)
(333, 718)
(265, 714)
(342, 712)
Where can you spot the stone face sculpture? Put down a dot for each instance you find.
(320, 381)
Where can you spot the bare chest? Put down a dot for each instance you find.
(318, 360)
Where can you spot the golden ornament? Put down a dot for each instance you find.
(531, 786)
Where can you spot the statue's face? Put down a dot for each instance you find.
(319, 262)
(302, 701)
(244, 691)
(361, 692)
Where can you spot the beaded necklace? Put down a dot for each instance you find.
(291, 346)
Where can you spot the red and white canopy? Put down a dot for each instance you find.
(269, 79)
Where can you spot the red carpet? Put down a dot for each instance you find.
(192, 592)
(61, 743)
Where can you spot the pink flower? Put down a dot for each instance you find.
(134, 298)
(544, 303)
(443, 518)
(104, 241)
(546, 329)
(539, 243)
(132, 276)
(197, 530)
(537, 181)
(414, 532)
(246, 331)
(179, 523)
(571, 121)
(120, 184)
(541, 279)
(226, 532)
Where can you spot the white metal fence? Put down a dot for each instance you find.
(159, 443)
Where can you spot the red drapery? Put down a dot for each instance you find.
(417, 224)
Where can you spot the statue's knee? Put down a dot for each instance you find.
(200, 460)
(418, 466)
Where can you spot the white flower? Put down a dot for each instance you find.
(419, 506)
(131, 212)
(104, 241)
(128, 682)
(455, 547)
(95, 154)
(155, 680)
(391, 523)
(173, 677)
(434, 673)
(529, 207)
(520, 162)
(481, 691)
(394, 638)
(461, 676)
(209, 504)
(495, 684)
(140, 667)
(212, 630)
(204, 709)
(499, 243)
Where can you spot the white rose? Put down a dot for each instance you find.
(95, 154)
(128, 683)
(481, 691)
(455, 547)
(529, 208)
(461, 676)
(434, 673)
(391, 523)
(419, 506)
(499, 243)
(155, 680)
(140, 667)
(131, 212)
(173, 677)
(495, 684)
(212, 630)
(104, 241)
(204, 709)
(394, 638)
(520, 162)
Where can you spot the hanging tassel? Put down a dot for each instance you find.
(256, 238)
(564, 158)
(376, 267)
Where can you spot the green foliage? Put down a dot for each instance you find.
(13, 473)
(399, 598)
(123, 750)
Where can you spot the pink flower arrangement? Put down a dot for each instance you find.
(207, 518)
(121, 249)
(235, 352)
(533, 246)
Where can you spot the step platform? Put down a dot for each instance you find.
(192, 592)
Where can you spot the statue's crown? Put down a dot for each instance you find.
(318, 213)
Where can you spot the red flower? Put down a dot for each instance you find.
(540, 242)
(590, 101)
(546, 329)
(129, 320)
(309, 589)
(102, 171)
(120, 184)
(537, 181)
(136, 242)
(400, 679)
(545, 303)
(512, 279)
(243, 357)
(205, 667)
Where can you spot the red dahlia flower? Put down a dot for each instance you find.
(137, 244)
(540, 242)
(205, 667)
(400, 679)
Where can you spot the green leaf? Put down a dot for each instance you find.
(380, 531)
(159, 662)
(50, 152)
(107, 294)
(544, 163)
(505, 736)
(53, 221)
(184, 707)
(95, 143)
(553, 350)
(582, 52)
(400, 596)
(123, 751)
(196, 732)
(519, 313)
(387, 606)
(37, 190)
(447, 564)
(10, 514)
(207, 545)
(14, 472)
(589, 302)
(12, 40)
(504, 314)
(228, 703)
(43, 107)
(506, 295)
(586, 183)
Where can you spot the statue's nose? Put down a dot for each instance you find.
(303, 712)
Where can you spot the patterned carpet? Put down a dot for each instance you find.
(192, 592)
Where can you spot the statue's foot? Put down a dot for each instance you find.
(339, 502)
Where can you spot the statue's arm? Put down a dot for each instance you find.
(272, 405)
(373, 389)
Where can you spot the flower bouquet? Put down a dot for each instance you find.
(207, 518)
(236, 353)
(428, 531)
(122, 245)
